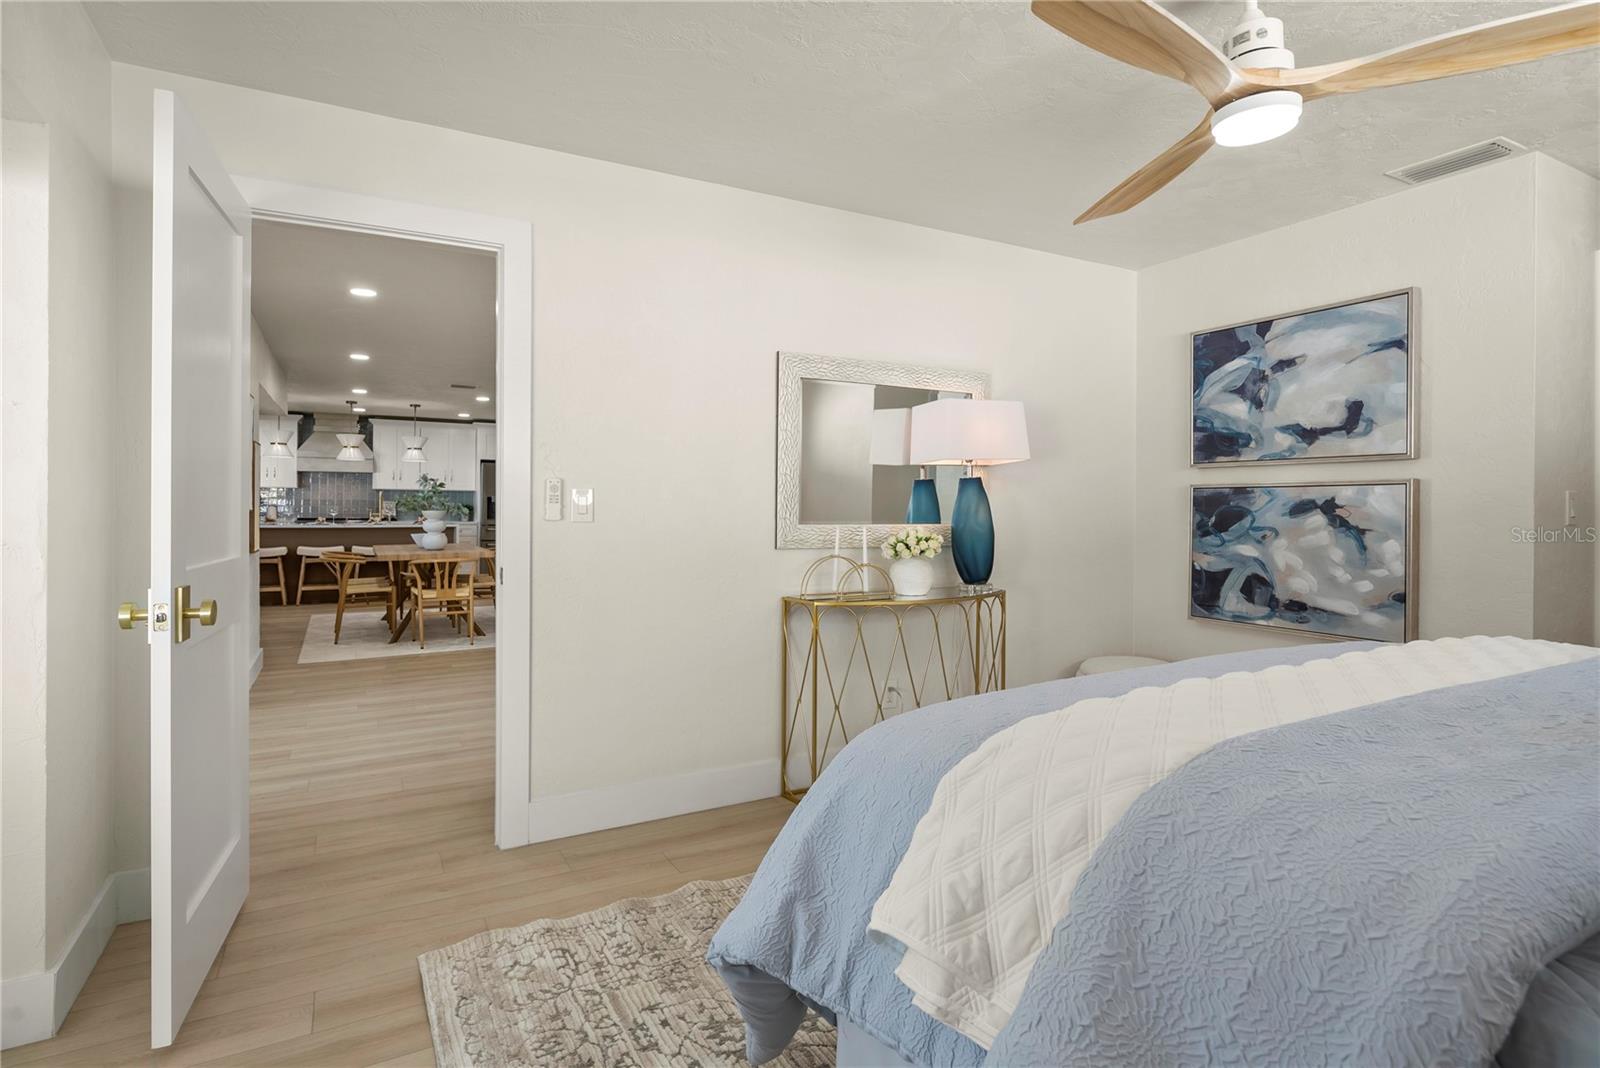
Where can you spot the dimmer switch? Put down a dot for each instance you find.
(583, 506)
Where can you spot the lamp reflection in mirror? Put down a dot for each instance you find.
(973, 433)
(891, 447)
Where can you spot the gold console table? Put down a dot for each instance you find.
(850, 659)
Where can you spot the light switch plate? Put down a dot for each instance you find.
(583, 506)
(552, 499)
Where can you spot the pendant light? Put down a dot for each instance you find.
(278, 446)
(350, 444)
(412, 445)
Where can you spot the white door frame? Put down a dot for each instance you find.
(512, 240)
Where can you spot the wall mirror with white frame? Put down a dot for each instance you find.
(839, 468)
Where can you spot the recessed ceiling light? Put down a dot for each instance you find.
(464, 415)
(358, 408)
(362, 291)
(483, 400)
(359, 356)
(358, 391)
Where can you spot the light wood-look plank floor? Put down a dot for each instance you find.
(372, 840)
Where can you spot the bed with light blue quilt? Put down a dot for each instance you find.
(1414, 881)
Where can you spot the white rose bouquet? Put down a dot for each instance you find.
(913, 542)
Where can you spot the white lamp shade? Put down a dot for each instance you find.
(412, 450)
(979, 432)
(351, 447)
(891, 437)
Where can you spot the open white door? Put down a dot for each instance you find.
(199, 553)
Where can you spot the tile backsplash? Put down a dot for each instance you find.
(345, 494)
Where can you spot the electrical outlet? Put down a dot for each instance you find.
(893, 701)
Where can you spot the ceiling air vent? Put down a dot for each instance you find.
(1453, 162)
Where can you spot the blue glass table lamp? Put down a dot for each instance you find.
(974, 434)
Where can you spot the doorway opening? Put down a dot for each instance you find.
(374, 378)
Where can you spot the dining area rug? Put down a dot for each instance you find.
(627, 984)
(365, 636)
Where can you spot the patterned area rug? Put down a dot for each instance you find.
(625, 986)
(365, 635)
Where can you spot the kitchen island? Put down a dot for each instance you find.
(343, 532)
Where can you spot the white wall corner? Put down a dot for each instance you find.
(133, 895)
(33, 1006)
(582, 811)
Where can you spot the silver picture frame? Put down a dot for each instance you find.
(796, 367)
(1413, 542)
(1413, 297)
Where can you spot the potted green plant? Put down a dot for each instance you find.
(430, 502)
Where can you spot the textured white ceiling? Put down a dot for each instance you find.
(974, 118)
(431, 326)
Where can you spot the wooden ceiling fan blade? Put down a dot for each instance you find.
(1519, 39)
(1150, 178)
(1145, 35)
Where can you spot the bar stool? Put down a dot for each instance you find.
(272, 556)
(309, 554)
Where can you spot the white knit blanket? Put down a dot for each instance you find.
(991, 866)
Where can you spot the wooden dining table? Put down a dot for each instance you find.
(407, 554)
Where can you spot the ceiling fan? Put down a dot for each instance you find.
(1254, 91)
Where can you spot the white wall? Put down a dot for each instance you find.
(1566, 221)
(269, 395)
(1468, 243)
(24, 492)
(59, 424)
(269, 387)
(660, 303)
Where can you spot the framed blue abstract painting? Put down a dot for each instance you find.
(1329, 383)
(1327, 558)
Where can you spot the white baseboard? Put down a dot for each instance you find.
(563, 815)
(33, 1006)
(255, 665)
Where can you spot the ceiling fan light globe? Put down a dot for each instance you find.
(1256, 118)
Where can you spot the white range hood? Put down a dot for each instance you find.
(331, 433)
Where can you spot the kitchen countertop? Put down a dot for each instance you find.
(346, 524)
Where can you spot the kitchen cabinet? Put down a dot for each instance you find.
(452, 455)
(278, 472)
(463, 469)
(388, 473)
(485, 441)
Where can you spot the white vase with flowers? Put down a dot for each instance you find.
(910, 554)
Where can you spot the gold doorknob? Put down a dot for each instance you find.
(129, 613)
(183, 614)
